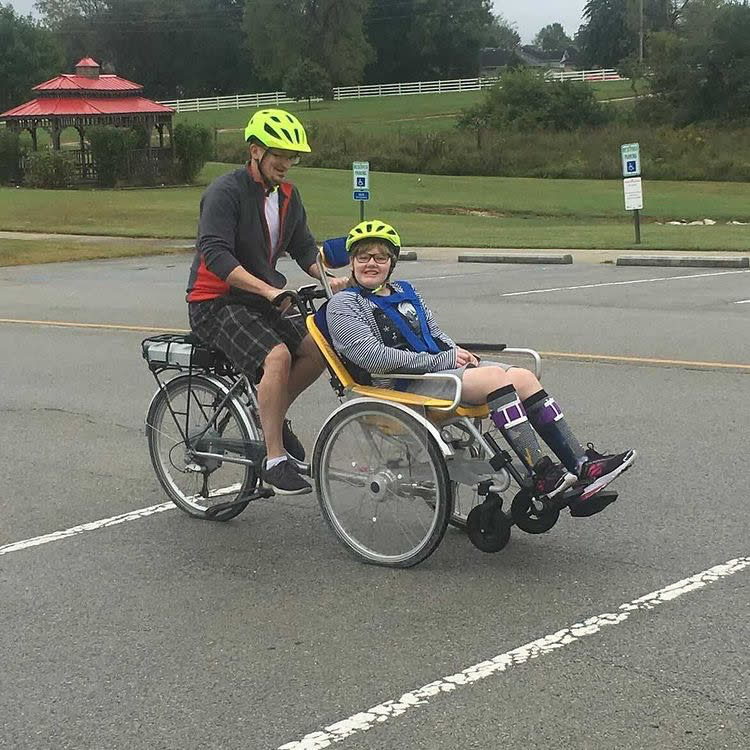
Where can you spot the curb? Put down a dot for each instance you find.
(408, 255)
(517, 258)
(684, 261)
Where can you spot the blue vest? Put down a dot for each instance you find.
(422, 342)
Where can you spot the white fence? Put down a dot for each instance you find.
(274, 98)
(606, 74)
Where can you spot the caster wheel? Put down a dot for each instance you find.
(529, 518)
(488, 527)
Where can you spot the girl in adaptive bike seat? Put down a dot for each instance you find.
(383, 326)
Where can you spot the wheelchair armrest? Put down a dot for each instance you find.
(427, 376)
(475, 347)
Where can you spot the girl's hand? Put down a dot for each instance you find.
(337, 283)
(465, 358)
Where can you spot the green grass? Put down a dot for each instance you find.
(379, 114)
(440, 211)
(22, 252)
(425, 112)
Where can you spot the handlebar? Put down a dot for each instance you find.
(302, 295)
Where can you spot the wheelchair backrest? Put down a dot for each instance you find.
(334, 253)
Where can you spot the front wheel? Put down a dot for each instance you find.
(382, 484)
(195, 484)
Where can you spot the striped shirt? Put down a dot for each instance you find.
(356, 336)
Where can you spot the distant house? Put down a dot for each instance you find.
(492, 60)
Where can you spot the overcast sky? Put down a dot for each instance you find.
(528, 16)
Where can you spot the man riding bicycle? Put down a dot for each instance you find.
(248, 219)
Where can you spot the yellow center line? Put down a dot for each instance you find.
(102, 326)
(622, 359)
(646, 360)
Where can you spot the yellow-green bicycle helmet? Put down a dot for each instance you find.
(277, 128)
(374, 229)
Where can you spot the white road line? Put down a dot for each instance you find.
(742, 302)
(56, 536)
(450, 276)
(621, 283)
(361, 722)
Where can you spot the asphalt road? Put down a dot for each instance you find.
(165, 632)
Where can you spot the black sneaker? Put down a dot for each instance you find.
(292, 444)
(285, 480)
(551, 479)
(599, 470)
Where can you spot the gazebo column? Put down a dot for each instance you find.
(160, 128)
(55, 132)
(82, 136)
(34, 144)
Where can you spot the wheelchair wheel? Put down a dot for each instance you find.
(531, 516)
(195, 484)
(382, 484)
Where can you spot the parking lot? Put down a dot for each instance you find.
(126, 624)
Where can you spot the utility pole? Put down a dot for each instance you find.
(640, 35)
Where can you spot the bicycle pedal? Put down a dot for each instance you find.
(260, 494)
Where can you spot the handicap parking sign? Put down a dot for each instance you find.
(361, 182)
(631, 166)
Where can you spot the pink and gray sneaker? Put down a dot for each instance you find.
(551, 479)
(599, 470)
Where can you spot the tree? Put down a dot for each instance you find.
(612, 27)
(172, 48)
(387, 24)
(552, 38)
(502, 34)
(28, 55)
(329, 32)
(605, 38)
(307, 80)
(701, 70)
(449, 35)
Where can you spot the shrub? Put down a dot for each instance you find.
(48, 169)
(667, 153)
(522, 100)
(10, 153)
(109, 149)
(193, 147)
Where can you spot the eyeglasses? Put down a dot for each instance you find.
(365, 258)
(293, 159)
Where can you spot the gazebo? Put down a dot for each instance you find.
(84, 99)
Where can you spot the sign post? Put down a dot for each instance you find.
(632, 184)
(361, 193)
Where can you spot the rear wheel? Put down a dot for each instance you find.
(195, 484)
(382, 484)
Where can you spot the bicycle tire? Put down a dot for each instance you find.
(170, 458)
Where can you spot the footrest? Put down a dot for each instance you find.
(261, 493)
(595, 504)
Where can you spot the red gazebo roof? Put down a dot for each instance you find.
(88, 95)
(72, 82)
(81, 105)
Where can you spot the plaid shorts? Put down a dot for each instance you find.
(243, 335)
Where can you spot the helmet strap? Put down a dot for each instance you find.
(267, 184)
